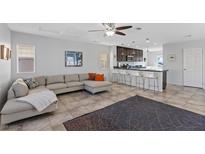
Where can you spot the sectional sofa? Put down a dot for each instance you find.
(13, 110)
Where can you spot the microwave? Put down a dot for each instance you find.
(130, 58)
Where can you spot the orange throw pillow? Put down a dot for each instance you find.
(91, 76)
(99, 77)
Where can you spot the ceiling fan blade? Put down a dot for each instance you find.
(119, 33)
(123, 27)
(95, 30)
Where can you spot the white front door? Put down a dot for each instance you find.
(193, 67)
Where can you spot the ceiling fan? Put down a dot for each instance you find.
(111, 29)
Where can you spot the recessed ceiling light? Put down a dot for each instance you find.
(137, 46)
(147, 40)
(128, 44)
(138, 28)
(189, 35)
(155, 43)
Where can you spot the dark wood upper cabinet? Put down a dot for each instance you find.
(129, 54)
(140, 55)
(121, 54)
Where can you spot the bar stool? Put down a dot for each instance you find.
(122, 74)
(115, 76)
(151, 76)
(128, 78)
(138, 77)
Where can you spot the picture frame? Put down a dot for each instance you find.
(171, 57)
(5, 53)
(73, 59)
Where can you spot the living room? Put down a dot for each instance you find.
(102, 77)
(44, 59)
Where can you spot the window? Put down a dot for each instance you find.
(103, 60)
(25, 59)
(160, 60)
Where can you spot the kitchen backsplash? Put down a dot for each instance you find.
(132, 63)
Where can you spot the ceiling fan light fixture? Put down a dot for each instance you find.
(109, 33)
(109, 25)
(110, 29)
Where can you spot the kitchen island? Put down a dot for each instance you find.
(148, 83)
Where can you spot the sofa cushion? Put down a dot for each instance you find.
(55, 79)
(56, 86)
(20, 88)
(71, 77)
(12, 106)
(84, 76)
(97, 84)
(37, 89)
(74, 84)
(41, 80)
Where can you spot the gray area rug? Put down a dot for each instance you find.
(138, 114)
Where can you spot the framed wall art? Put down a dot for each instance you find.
(73, 59)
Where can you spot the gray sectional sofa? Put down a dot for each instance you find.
(73, 82)
(13, 110)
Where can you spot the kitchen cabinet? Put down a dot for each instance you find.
(121, 54)
(140, 55)
(129, 54)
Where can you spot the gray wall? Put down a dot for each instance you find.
(175, 73)
(5, 65)
(50, 55)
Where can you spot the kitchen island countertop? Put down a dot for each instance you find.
(143, 69)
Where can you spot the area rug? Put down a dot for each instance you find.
(138, 114)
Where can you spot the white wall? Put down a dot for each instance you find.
(5, 65)
(113, 56)
(175, 68)
(50, 55)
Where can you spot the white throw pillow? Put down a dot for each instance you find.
(20, 88)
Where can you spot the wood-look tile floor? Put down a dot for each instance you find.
(72, 105)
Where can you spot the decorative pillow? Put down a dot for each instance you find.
(10, 94)
(31, 83)
(91, 76)
(20, 88)
(19, 80)
(99, 77)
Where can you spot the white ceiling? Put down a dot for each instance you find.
(158, 33)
